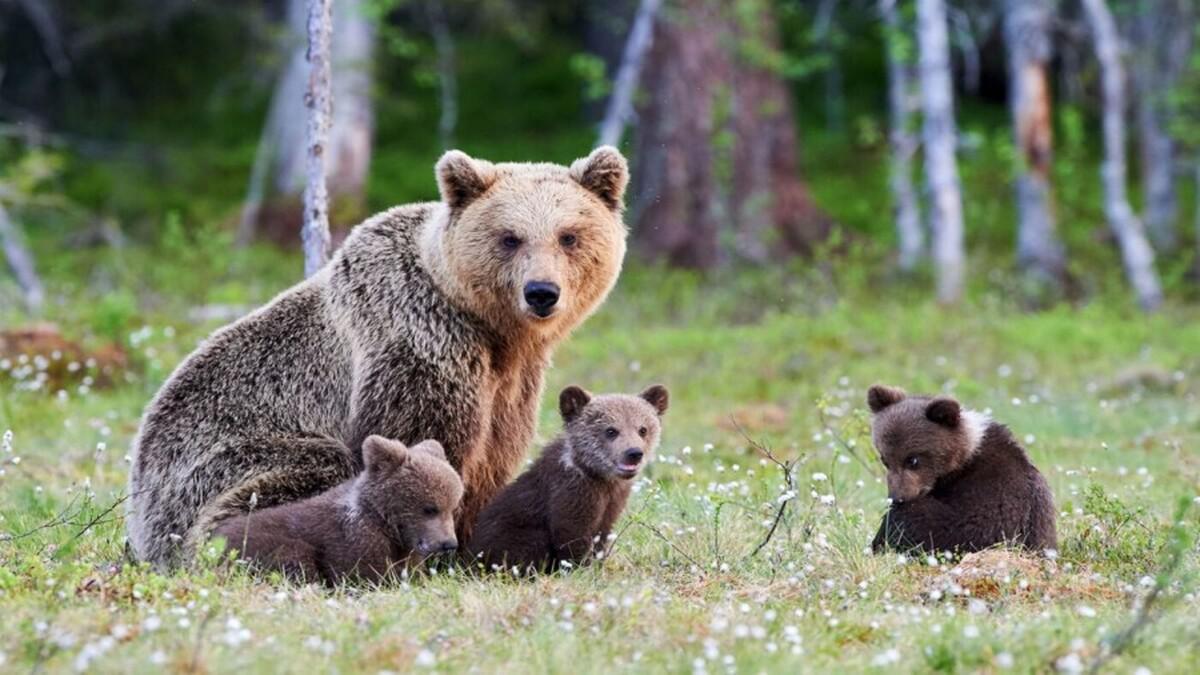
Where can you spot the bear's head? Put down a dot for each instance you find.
(414, 491)
(921, 438)
(612, 436)
(537, 246)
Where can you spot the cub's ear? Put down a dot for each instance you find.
(943, 410)
(571, 402)
(605, 174)
(461, 179)
(380, 453)
(881, 396)
(430, 447)
(658, 396)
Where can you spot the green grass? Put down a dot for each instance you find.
(1106, 399)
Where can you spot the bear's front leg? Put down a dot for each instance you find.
(926, 524)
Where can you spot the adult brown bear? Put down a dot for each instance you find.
(433, 320)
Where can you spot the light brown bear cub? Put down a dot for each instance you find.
(397, 512)
(563, 508)
(957, 480)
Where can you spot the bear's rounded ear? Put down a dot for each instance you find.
(943, 410)
(461, 179)
(571, 402)
(380, 453)
(658, 396)
(432, 448)
(605, 174)
(881, 396)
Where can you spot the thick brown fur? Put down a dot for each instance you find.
(419, 327)
(562, 509)
(957, 480)
(397, 512)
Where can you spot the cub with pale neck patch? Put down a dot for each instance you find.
(395, 513)
(957, 480)
(563, 508)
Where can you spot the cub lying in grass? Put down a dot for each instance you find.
(562, 509)
(398, 511)
(957, 480)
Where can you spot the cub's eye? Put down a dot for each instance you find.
(611, 432)
(567, 240)
(912, 462)
(511, 242)
(430, 510)
(643, 431)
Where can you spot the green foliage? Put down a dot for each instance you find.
(592, 71)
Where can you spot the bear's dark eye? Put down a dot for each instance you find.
(511, 242)
(611, 432)
(430, 510)
(567, 240)
(643, 431)
(912, 462)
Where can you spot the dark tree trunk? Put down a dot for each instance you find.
(1027, 32)
(677, 216)
(716, 148)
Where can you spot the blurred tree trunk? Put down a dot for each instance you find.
(1196, 217)
(903, 140)
(716, 142)
(1027, 32)
(678, 209)
(443, 42)
(940, 138)
(620, 104)
(825, 36)
(20, 260)
(1136, 253)
(278, 175)
(1163, 33)
(317, 99)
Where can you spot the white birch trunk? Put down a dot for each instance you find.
(620, 103)
(317, 100)
(443, 43)
(21, 262)
(902, 139)
(1164, 31)
(1136, 254)
(1157, 149)
(1027, 33)
(348, 161)
(940, 138)
(280, 162)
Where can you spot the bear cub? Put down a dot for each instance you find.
(562, 509)
(397, 512)
(957, 480)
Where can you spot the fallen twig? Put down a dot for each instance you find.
(789, 482)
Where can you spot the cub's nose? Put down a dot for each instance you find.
(634, 456)
(447, 546)
(541, 296)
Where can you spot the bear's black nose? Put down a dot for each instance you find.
(541, 296)
(447, 546)
(634, 456)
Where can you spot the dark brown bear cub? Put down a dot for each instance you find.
(562, 509)
(398, 511)
(957, 480)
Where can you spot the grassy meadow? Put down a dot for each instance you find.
(1104, 397)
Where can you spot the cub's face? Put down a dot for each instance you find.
(919, 439)
(613, 436)
(415, 491)
(536, 244)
